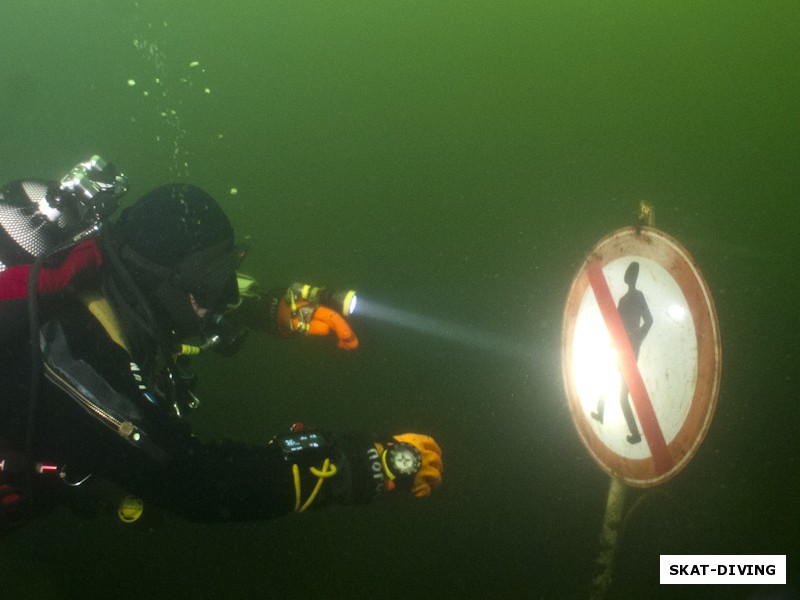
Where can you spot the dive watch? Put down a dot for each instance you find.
(401, 462)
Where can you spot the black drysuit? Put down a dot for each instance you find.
(100, 415)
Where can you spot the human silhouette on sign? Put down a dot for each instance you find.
(637, 320)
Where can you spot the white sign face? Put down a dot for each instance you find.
(641, 356)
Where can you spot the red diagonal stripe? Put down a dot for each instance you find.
(629, 367)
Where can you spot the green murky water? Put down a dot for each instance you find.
(456, 160)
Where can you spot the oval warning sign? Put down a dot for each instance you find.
(641, 355)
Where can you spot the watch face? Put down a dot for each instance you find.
(404, 459)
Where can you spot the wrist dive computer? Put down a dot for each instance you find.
(401, 462)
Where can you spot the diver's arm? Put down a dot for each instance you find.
(299, 471)
(232, 481)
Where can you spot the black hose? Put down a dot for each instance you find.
(36, 365)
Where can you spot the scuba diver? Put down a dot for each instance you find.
(98, 319)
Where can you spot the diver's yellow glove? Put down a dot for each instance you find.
(412, 462)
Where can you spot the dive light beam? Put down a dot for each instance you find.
(444, 330)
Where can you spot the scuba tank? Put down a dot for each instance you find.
(39, 218)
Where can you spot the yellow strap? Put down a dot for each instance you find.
(187, 350)
(386, 469)
(328, 470)
(103, 312)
